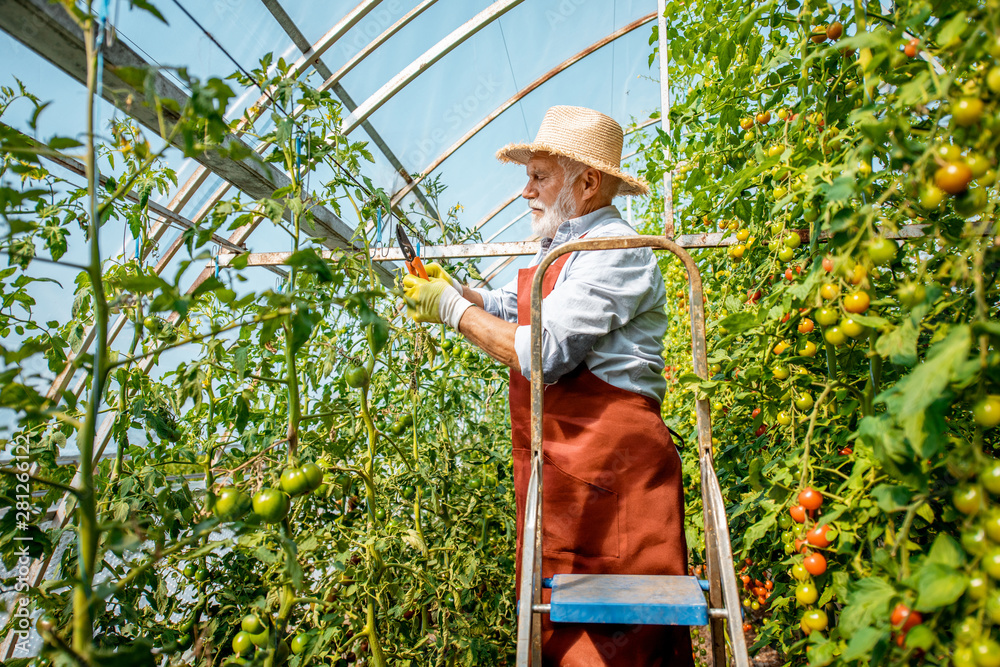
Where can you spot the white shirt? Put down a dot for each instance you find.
(606, 310)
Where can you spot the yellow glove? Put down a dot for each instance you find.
(435, 270)
(426, 297)
(434, 301)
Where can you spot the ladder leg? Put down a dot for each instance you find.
(527, 619)
(714, 571)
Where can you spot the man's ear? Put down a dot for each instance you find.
(591, 180)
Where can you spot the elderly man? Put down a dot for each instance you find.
(612, 499)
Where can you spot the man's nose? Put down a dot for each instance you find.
(529, 191)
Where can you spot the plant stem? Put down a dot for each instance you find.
(88, 531)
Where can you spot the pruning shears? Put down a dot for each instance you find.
(413, 263)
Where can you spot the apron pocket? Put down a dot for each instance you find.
(578, 517)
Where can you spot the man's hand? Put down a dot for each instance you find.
(435, 270)
(434, 300)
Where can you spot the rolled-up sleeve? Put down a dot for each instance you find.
(501, 302)
(601, 292)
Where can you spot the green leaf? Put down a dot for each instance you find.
(898, 345)
(862, 643)
(868, 600)
(761, 528)
(140, 284)
(310, 261)
(891, 498)
(938, 586)
(946, 551)
(928, 381)
(303, 322)
(952, 30)
(739, 322)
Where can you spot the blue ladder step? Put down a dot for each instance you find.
(632, 599)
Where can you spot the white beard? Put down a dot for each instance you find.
(563, 209)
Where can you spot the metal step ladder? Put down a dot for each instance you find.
(632, 599)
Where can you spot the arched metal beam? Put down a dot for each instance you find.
(374, 44)
(425, 61)
(300, 41)
(569, 62)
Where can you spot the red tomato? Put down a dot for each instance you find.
(818, 536)
(756, 411)
(798, 514)
(828, 264)
(810, 498)
(904, 618)
(815, 564)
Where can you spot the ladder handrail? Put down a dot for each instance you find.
(722, 580)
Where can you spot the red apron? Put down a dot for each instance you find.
(612, 502)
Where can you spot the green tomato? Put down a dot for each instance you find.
(783, 418)
(993, 79)
(408, 492)
(834, 336)
(991, 524)
(974, 540)
(313, 474)
(153, 324)
(967, 500)
(807, 349)
(852, 328)
(201, 575)
(990, 477)
(804, 402)
(991, 562)
(806, 593)
(300, 643)
(294, 481)
(987, 411)
(827, 316)
(799, 572)
(993, 606)
(190, 570)
(356, 376)
(260, 639)
(911, 294)
(967, 631)
(780, 372)
(978, 164)
(815, 619)
(978, 586)
(882, 251)
(792, 240)
(931, 197)
(271, 505)
(963, 657)
(967, 111)
(986, 653)
(786, 254)
(251, 624)
(242, 644)
(231, 503)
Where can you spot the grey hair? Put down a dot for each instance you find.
(573, 169)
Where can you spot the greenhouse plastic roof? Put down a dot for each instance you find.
(490, 86)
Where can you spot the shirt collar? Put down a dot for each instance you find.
(574, 228)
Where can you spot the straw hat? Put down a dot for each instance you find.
(583, 135)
